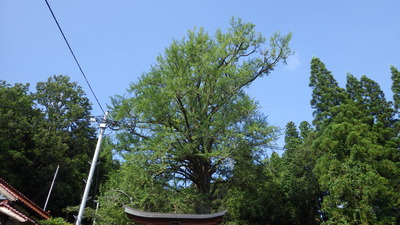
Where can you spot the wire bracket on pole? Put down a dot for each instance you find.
(103, 126)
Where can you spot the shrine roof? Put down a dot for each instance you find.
(9, 192)
(157, 215)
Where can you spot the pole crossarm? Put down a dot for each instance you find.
(103, 126)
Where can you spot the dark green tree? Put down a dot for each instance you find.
(351, 171)
(396, 87)
(65, 138)
(375, 103)
(18, 120)
(298, 183)
(54, 221)
(42, 130)
(292, 137)
(305, 130)
(134, 184)
(326, 93)
(190, 115)
(396, 99)
(256, 196)
(355, 166)
(279, 190)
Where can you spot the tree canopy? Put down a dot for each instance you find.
(195, 138)
(44, 129)
(355, 167)
(191, 140)
(191, 120)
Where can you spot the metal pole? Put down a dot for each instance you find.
(103, 125)
(51, 188)
(97, 209)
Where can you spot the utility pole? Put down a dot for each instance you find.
(103, 126)
(51, 188)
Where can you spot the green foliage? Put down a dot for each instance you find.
(42, 130)
(305, 130)
(196, 141)
(17, 122)
(297, 182)
(63, 138)
(326, 93)
(192, 122)
(54, 221)
(396, 87)
(292, 138)
(281, 190)
(134, 185)
(355, 147)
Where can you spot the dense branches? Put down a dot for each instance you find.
(355, 167)
(42, 130)
(191, 116)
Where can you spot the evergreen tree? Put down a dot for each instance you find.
(64, 138)
(375, 103)
(396, 87)
(254, 195)
(298, 182)
(305, 130)
(280, 190)
(42, 130)
(18, 120)
(350, 165)
(326, 93)
(355, 167)
(292, 137)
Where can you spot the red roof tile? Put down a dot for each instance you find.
(26, 201)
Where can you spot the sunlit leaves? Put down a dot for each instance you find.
(191, 116)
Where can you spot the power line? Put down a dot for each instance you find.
(276, 148)
(72, 52)
(113, 125)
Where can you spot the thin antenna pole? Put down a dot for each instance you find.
(103, 126)
(97, 209)
(51, 188)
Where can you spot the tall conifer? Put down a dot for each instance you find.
(396, 87)
(326, 92)
(353, 144)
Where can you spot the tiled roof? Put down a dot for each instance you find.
(143, 217)
(12, 212)
(140, 213)
(18, 196)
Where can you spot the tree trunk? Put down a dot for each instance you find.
(203, 183)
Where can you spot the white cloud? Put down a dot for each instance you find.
(293, 61)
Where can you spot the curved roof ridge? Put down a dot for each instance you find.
(15, 211)
(159, 215)
(19, 196)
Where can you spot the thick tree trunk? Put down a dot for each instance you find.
(203, 203)
(203, 183)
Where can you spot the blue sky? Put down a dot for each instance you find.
(116, 41)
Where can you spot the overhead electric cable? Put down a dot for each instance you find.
(72, 52)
